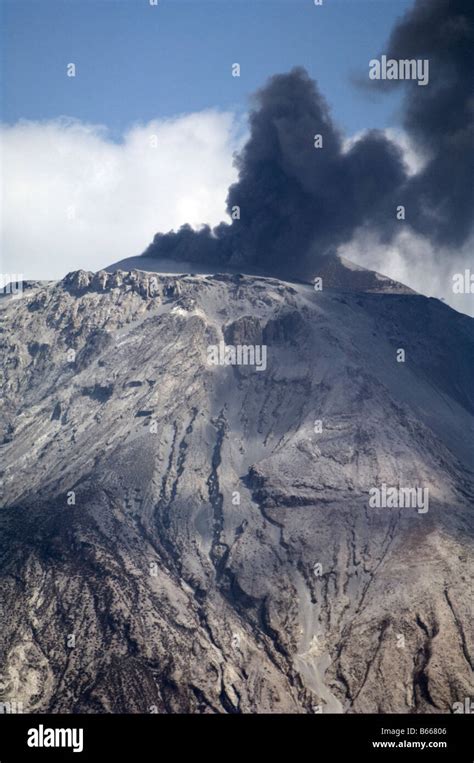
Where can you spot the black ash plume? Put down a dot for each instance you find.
(298, 202)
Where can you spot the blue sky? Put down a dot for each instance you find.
(136, 62)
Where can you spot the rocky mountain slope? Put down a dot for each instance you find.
(179, 536)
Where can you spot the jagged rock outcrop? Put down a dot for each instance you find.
(180, 536)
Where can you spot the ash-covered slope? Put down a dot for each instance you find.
(179, 536)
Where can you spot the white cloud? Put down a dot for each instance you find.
(73, 198)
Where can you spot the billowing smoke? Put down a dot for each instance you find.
(298, 200)
(300, 194)
(439, 118)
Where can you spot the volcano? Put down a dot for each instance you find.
(178, 536)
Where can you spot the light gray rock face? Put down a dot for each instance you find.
(180, 536)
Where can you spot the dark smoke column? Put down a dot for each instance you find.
(439, 118)
(299, 195)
